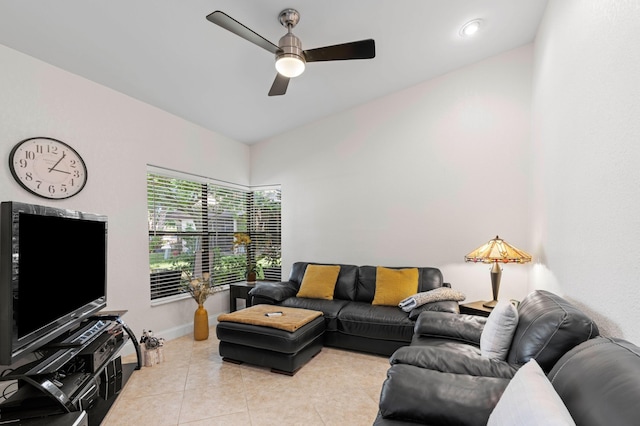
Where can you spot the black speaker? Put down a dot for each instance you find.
(111, 379)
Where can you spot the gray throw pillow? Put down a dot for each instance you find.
(530, 400)
(497, 333)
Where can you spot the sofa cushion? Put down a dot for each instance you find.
(394, 285)
(329, 308)
(449, 356)
(498, 331)
(428, 279)
(548, 326)
(530, 400)
(376, 322)
(425, 396)
(319, 282)
(345, 285)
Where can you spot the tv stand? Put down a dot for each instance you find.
(79, 371)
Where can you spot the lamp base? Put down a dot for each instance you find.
(490, 304)
(496, 274)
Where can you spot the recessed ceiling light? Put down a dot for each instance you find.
(470, 28)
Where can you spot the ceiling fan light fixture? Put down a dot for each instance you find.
(290, 65)
(470, 28)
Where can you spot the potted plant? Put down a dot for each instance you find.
(242, 239)
(200, 288)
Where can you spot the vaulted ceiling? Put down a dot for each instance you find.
(165, 53)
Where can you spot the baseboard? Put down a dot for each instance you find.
(170, 333)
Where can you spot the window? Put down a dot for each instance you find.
(264, 231)
(192, 222)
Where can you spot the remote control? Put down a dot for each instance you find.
(274, 314)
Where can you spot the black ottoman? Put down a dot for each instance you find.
(281, 350)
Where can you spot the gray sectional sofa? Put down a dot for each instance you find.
(352, 322)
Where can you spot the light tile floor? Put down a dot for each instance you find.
(193, 386)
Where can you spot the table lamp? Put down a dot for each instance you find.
(497, 251)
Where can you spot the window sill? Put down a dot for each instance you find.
(176, 298)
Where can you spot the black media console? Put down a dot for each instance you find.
(79, 371)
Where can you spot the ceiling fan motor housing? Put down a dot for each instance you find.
(289, 44)
(291, 47)
(290, 51)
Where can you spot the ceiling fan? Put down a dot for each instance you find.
(290, 58)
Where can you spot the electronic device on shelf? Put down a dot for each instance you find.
(61, 351)
(74, 371)
(101, 349)
(43, 293)
(57, 394)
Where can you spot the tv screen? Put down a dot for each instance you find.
(54, 270)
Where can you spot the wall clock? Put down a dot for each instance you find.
(48, 168)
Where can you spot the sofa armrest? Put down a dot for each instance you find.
(430, 397)
(461, 327)
(453, 357)
(441, 306)
(273, 292)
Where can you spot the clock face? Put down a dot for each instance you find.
(48, 167)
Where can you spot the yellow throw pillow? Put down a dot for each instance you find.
(394, 285)
(319, 282)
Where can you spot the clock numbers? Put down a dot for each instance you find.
(50, 149)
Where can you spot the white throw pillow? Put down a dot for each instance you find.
(530, 399)
(498, 331)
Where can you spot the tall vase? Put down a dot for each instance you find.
(201, 323)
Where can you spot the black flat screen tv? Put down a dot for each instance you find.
(53, 274)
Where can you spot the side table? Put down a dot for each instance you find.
(475, 308)
(239, 291)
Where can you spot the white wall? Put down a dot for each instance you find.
(417, 178)
(117, 136)
(586, 140)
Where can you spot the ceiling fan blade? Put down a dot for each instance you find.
(363, 49)
(279, 86)
(228, 23)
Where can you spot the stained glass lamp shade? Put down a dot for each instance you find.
(497, 251)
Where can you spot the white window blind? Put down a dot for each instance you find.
(192, 223)
(265, 233)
